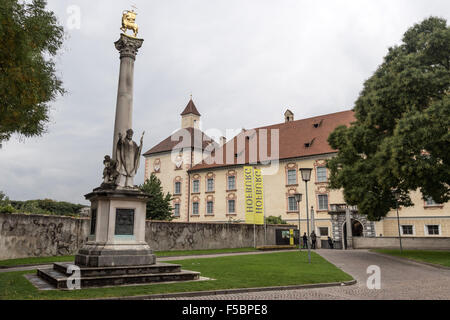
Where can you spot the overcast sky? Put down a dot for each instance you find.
(245, 62)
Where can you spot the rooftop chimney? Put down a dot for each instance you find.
(288, 116)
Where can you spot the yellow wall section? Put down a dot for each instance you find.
(276, 193)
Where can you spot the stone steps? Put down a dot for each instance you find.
(120, 270)
(116, 276)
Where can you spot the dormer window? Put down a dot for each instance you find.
(288, 116)
(317, 124)
(310, 143)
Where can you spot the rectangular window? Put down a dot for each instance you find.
(292, 204)
(195, 208)
(210, 207)
(407, 230)
(323, 231)
(292, 177)
(210, 185)
(231, 206)
(433, 230)
(176, 210)
(321, 174)
(323, 201)
(196, 186)
(231, 183)
(177, 187)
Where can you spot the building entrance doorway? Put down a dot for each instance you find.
(357, 230)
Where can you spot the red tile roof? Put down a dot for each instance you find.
(293, 137)
(184, 138)
(190, 108)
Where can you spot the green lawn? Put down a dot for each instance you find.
(40, 260)
(245, 271)
(435, 257)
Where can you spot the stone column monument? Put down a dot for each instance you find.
(116, 252)
(128, 48)
(118, 207)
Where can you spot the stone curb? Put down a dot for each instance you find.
(411, 261)
(231, 291)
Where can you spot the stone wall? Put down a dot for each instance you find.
(439, 243)
(38, 235)
(196, 235)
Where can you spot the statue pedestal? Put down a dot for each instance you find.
(117, 236)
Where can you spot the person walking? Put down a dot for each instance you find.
(313, 240)
(305, 240)
(330, 243)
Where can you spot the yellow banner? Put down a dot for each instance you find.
(249, 195)
(258, 189)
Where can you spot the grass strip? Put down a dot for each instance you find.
(435, 257)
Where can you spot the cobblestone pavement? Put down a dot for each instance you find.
(399, 280)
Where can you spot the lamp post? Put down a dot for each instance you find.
(306, 176)
(397, 197)
(298, 198)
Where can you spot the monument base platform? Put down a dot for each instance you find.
(99, 256)
(115, 276)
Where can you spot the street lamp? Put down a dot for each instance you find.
(397, 197)
(306, 176)
(298, 198)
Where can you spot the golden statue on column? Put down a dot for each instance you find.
(129, 22)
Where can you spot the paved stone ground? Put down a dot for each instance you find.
(399, 280)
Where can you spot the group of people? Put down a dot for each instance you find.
(313, 241)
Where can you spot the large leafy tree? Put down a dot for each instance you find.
(400, 140)
(159, 205)
(31, 38)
